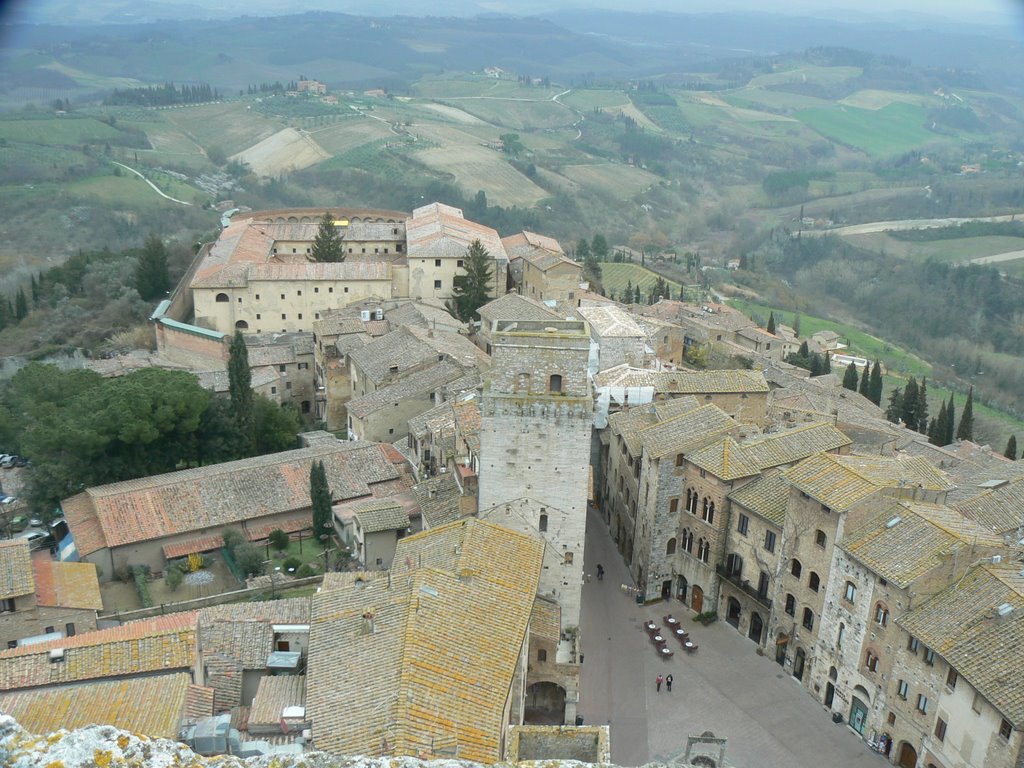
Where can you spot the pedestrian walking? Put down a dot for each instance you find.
(600, 572)
(657, 683)
(668, 683)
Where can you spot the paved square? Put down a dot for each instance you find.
(725, 687)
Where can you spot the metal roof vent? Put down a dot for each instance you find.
(894, 522)
(1005, 609)
(56, 654)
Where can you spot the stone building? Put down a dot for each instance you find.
(541, 270)
(710, 474)
(43, 597)
(535, 425)
(902, 554)
(828, 494)
(509, 307)
(619, 339)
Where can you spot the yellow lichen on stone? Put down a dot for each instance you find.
(55, 764)
(103, 758)
(123, 741)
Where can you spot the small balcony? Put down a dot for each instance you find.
(743, 585)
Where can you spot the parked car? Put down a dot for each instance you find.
(22, 462)
(19, 523)
(35, 522)
(38, 539)
(10, 460)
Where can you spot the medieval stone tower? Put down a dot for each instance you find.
(535, 447)
(536, 421)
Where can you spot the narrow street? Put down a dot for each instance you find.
(725, 687)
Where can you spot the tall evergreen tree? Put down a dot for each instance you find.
(875, 393)
(320, 499)
(796, 325)
(473, 288)
(865, 381)
(599, 248)
(909, 410)
(582, 249)
(240, 391)
(930, 432)
(20, 305)
(850, 377)
(816, 365)
(895, 409)
(922, 406)
(804, 350)
(636, 294)
(965, 430)
(35, 291)
(950, 422)
(1011, 448)
(937, 433)
(152, 279)
(327, 245)
(771, 323)
(826, 363)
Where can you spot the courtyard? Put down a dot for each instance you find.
(725, 687)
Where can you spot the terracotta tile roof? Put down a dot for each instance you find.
(390, 354)
(412, 384)
(632, 420)
(438, 498)
(611, 322)
(905, 540)
(546, 620)
(962, 625)
(521, 243)
(438, 420)
(730, 460)
(683, 382)
(193, 546)
(276, 692)
(15, 569)
(260, 532)
(998, 508)
(544, 260)
(512, 306)
(687, 432)
(198, 702)
(220, 494)
(435, 672)
(160, 644)
(66, 585)
(765, 496)
(380, 515)
(467, 420)
(422, 315)
(841, 481)
(154, 706)
(439, 230)
(244, 632)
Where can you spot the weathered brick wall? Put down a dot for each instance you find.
(190, 349)
(35, 621)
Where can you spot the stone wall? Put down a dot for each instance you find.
(37, 620)
(587, 744)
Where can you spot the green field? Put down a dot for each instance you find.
(518, 115)
(890, 130)
(808, 74)
(588, 100)
(761, 98)
(951, 250)
(62, 131)
(615, 276)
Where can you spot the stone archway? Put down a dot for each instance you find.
(732, 615)
(756, 627)
(545, 704)
(908, 755)
(697, 599)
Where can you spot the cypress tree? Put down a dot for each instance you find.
(826, 363)
(865, 381)
(895, 409)
(35, 290)
(950, 421)
(582, 250)
(320, 499)
(771, 323)
(909, 410)
(804, 351)
(922, 406)
(636, 294)
(876, 384)
(1011, 448)
(796, 325)
(931, 430)
(850, 377)
(327, 245)
(473, 289)
(240, 391)
(20, 305)
(965, 430)
(937, 433)
(816, 365)
(152, 279)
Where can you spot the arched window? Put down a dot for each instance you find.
(833, 673)
(689, 493)
(704, 550)
(871, 660)
(543, 523)
(542, 655)
(795, 568)
(841, 635)
(814, 581)
(790, 605)
(670, 548)
(222, 297)
(688, 541)
(881, 615)
(820, 539)
(808, 621)
(850, 592)
(709, 512)
(555, 383)
(242, 325)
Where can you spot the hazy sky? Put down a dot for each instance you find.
(1004, 12)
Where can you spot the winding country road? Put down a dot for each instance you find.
(154, 186)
